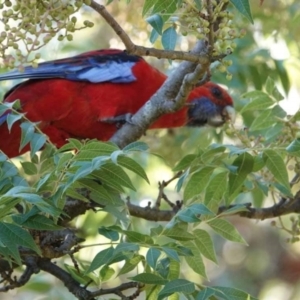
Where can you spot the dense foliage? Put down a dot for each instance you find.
(79, 205)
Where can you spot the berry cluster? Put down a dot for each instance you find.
(214, 23)
(30, 24)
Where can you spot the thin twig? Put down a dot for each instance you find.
(117, 290)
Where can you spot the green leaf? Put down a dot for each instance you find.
(197, 182)
(10, 252)
(114, 156)
(174, 270)
(185, 162)
(4, 108)
(178, 234)
(233, 210)
(27, 134)
(38, 222)
(264, 120)
(136, 146)
(108, 180)
(73, 144)
(121, 216)
(182, 180)
(95, 149)
(167, 7)
(3, 157)
(9, 169)
(243, 7)
(200, 209)
(163, 267)
(226, 230)
(212, 153)
(29, 168)
(270, 85)
(149, 278)
(147, 6)
(198, 4)
(205, 294)
(245, 163)
(277, 167)
(216, 188)
(133, 166)
(193, 212)
(259, 163)
(131, 264)
(108, 233)
(195, 262)
(136, 237)
(113, 173)
(13, 236)
(152, 257)
(176, 286)
(127, 247)
(277, 95)
(6, 205)
(234, 294)
(294, 148)
(64, 159)
(36, 143)
(153, 36)
(187, 216)
(102, 258)
(77, 275)
(204, 243)
(171, 253)
(100, 193)
(259, 101)
(152, 291)
(106, 273)
(157, 22)
(282, 72)
(169, 38)
(11, 119)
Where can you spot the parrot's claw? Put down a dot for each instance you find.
(118, 120)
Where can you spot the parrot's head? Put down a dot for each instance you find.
(211, 105)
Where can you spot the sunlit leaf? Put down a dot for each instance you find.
(226, 230)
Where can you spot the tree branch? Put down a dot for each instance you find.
(117, 290)
(283, 207)
(172, 95)
(169, 98)
(140, 50)
(72, 285)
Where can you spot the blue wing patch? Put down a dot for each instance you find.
(93, 67)
(3, 118)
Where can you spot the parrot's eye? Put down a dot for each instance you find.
(216, 92)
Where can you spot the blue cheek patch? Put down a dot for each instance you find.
(201, 111)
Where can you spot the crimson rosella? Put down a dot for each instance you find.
(87, 96)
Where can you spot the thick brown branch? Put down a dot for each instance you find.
(169, 98)
(31, 268)
(284, 207)
(72, 285)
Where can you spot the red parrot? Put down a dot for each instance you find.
(91, 94)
